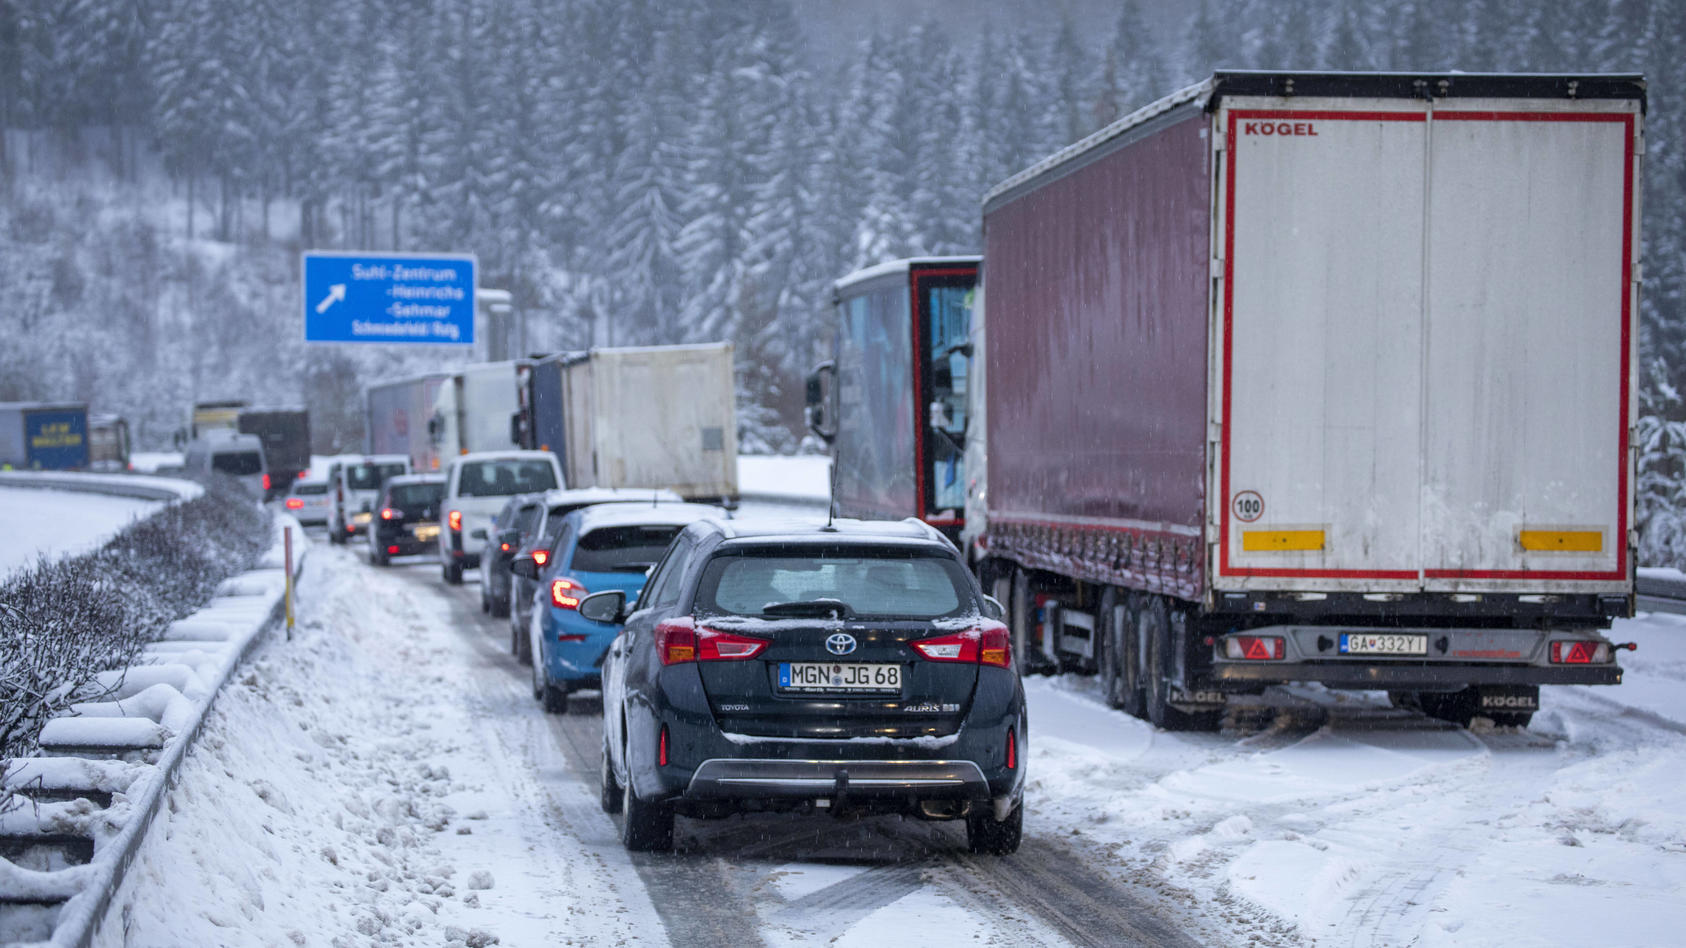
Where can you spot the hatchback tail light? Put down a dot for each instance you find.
(1254, 648)
(387, 513)
(266, 482)
(1580, 652)
(393, 550)
(679, 641)
(455, 519)
(988, 644)
(294, 503)
(565, 593)
(541, 557)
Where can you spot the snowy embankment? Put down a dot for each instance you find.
(57, 514)
(105, 767)
(1330, 818)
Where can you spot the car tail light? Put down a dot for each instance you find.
(351, 528)
(565, 593)
(455, 518)
(302, 474)
(393, 550)
(988, 644)
(387, 513)
(715, 646)
(569, 637)
(661, 748)
(541, 557)
(503, 547)
(676, 641)
(1254, 648)
(293, 503)
(266, 482)
(1580, 652)
(1012, 749)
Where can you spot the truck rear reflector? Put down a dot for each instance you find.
(1272, 541)
(1579, 653)
(1562, 541)
(1257, 648)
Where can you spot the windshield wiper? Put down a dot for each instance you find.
(809, 609)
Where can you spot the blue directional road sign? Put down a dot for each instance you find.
(362, 297)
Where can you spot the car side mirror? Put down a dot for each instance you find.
(607, 607)
(521, 564)
(993, 609)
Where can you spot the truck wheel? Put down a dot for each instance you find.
(1155, 629)
(452, 573)
(1119, 664)
(1018, 620)
(1457, 707)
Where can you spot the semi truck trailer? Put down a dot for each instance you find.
(1320, 378)
(51, 436)
(395, 419)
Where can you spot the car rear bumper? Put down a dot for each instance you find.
(761, 778)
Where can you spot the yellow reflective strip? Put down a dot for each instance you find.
(1572, 541)
(1269, 541)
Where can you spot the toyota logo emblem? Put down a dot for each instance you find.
(840, 643)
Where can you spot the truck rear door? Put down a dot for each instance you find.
(1423, 344)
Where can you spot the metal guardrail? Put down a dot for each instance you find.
(147, 487)
(1661, 594)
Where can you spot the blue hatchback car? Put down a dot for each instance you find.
(600, 548)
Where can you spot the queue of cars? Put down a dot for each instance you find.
(744, 666)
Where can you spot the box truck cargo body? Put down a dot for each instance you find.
(1322, 377)
(652, 416)
(892, 400)
(285, 433)
(43, 436)
(395, 418)
(476, 409)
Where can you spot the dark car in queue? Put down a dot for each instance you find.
(509, 528)
(541, 539)
(599, 547)
(850, 668)
(407, 520)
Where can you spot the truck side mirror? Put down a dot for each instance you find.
(819, 384)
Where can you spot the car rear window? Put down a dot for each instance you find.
(306, 490)
(371, 476)
(503, 478)
(411, 496)
(237, 463)
(622, 549)
(892, 585)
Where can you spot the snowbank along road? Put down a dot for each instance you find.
(387, 778)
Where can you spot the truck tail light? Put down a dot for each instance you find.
(1579, 652)
(455, 519)
(294, 503)
(988, 644)
(1254, 648)
(565, 593)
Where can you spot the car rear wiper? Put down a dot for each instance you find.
(809, 609)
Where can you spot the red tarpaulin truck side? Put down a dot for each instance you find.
(1320, 377)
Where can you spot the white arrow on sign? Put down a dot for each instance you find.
(336, 293)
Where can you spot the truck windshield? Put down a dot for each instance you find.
(505, 477)
(886, 585)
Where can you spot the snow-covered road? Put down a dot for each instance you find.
(386, 778)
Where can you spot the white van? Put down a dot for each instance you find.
(239, 456)
(476, 487)
(354, 488)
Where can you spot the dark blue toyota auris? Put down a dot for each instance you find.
(849, 668)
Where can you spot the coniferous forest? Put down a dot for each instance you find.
(637, 171)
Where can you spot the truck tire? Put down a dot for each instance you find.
(1018, 619)
(1155, 626)
(1121, 678)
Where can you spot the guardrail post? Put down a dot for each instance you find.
(287, 543)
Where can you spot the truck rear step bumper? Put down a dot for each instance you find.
(1405, 677)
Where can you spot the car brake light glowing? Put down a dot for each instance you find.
(541, 557)
(661, 751)
(503, 547)
(988, 644)
(294, 503)
(1255, 648)
(455, 519)
(351, 528)
(393, 550)
(266, 482)
(565, 593)
(1582, 652)
(387, 513)
(1012, 750)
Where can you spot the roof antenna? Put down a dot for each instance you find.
(831, 502)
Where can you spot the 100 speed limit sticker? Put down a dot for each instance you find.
(1247, 506)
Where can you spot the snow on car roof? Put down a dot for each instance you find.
(416, 479)
(597, 495)
(621, 514)
(910, 531)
